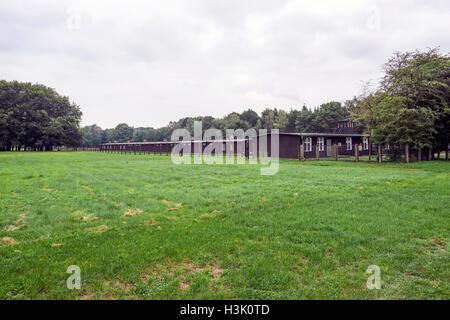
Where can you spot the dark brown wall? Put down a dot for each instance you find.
(289, 147)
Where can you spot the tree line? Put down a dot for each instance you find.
(321, 119)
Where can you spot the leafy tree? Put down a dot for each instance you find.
(304, 121)
(268, 118)
(251, 117)
(281, 121)
(291, 120)
(34, 115)
(327, 115)
(397, 123)
(234, 121)
(418, 83)
(107, 135)
(364, 110)
(92, 135)
(123, 133)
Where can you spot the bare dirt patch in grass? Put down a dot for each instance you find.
(172, 205)
(120, 285)
(99, 229)
(132, 212)
(181, 271)
(150, 222)
(177, 206)
(184, 285)
(8, 241)
(12, 227)
(211, 214)
(89, 218)
(439, 243)
(215, 270)
(86, 295)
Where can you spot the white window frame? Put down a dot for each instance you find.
(308, 144)
(348, 142)
(365, 143)
(321, 143)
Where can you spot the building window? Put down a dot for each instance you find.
(308, 145)
(365, 143)
(348, 141)
(320, 143)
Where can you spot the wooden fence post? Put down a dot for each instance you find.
(302, 152)
(336, 151)
(317, 152)
(356, 152)
(419, 155)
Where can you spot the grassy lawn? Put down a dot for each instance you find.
(140, 227)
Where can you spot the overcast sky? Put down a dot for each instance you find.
(148, 62)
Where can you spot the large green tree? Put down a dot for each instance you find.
(411, 106)
(416, 86)
(33, 115)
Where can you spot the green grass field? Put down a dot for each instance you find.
(140, 227)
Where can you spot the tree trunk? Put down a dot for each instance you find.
(407, 152)
(380, 155)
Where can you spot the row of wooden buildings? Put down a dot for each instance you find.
(343, 141)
